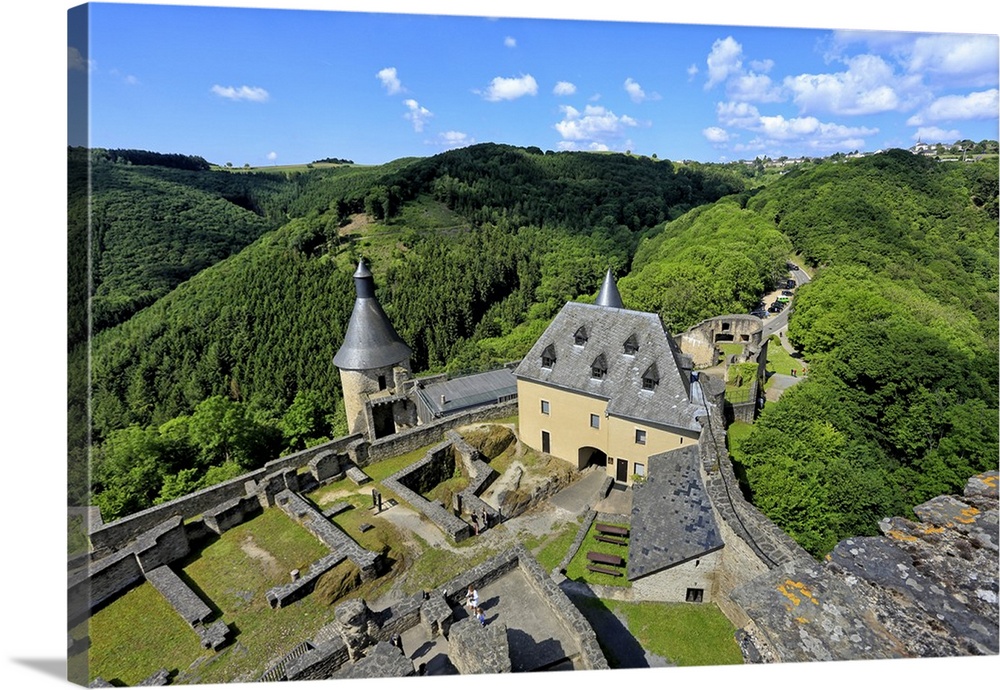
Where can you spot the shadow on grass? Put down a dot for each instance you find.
(620, 648)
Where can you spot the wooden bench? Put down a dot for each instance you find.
(611, 540)
(606, 558)
(602, 569)
(611, 529)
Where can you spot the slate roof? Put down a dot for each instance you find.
(672, 520)
(370, 341)
(606, 330)
(469, 391)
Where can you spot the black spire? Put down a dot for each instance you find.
(609, 295)
(370, 341)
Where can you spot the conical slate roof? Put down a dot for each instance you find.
(370, 341)
(609, 295)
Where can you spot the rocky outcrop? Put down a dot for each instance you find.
(922, 589)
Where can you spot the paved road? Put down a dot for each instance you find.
(775, 323)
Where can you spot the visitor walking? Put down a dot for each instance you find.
(480, 616)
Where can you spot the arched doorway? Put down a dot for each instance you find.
(588, 455)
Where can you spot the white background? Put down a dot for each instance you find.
(33, 256)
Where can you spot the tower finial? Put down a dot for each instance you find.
(609, 295)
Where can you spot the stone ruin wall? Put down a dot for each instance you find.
(324, 461)
(700, 341)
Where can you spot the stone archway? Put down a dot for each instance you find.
(588, 455)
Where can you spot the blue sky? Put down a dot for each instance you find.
(264, 86)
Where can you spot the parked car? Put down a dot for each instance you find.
(790, 283)
(787, 293)
(759, 313)
(792, 267)
(775, 307)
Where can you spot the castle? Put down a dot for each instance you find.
(608, 391)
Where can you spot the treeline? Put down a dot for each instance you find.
(899, 328)
(335, 161)
(136, 157)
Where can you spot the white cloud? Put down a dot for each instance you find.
(936, 135)
(724, 60)
(509, 88)
(716, 135)
(868, 86)
(810, 131)
(974, 106)
(129, 79)
(596, 125)
(955, 55)
(733, 114)
(754, 87)
(417, 114)
(510, 42)
(272, 156)
(634, 91)
(762, 65)
(692, 71)
(453, 139)
(77, 61)
(564, 88)
(390, 80)
(242, 93)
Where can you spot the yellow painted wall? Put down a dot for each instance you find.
(569, 426)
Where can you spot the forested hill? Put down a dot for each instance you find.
(467, 247)
(899, 328)
(475, 250)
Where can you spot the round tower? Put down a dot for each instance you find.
(373, 362)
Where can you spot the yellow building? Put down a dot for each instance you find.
(607, 385)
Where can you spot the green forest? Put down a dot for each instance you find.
(217, 299)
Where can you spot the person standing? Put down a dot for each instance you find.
(472, 599)
(480, 616)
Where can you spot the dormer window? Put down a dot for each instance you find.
(599, 368)
(631, 346)
(548, 357)
(651, 379)
(580, 337)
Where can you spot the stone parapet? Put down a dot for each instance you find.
(285, 594)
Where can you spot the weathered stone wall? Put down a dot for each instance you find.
(325, 655)
(182, 598)
(473, 648)
(673, 583)
(231, 513)
(700, 341)
(327, 532)
(418, 437)
(562, 609)
(101, 582)
(163, 544)
(285, 594)
(112, 536)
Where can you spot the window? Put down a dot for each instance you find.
(545, 407)
(599, 368)
(548, 357)
(694, 595)
(640, 469)
(381, 382)
(580, 337)
(595, 421)
(640, 436)
(651, 379)
(546, 442)
(631, 346)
